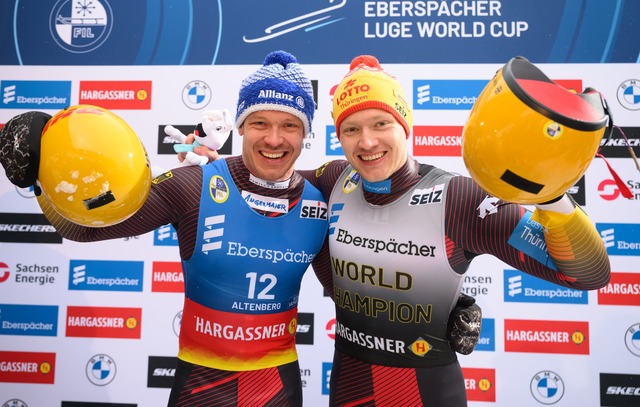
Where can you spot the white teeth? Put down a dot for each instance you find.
(272, 155)
(371, 157)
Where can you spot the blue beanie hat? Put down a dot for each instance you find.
(280, 84)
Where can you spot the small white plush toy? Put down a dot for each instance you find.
(212, 131)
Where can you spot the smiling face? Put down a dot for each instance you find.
(271, 144)
(374, 143)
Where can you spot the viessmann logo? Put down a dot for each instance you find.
(103, 322)
(567, 337)
(27, 367)
(134, 95)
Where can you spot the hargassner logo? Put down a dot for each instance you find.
(135, 95)
(167, 277)
(27, 367)
(568, 337)
(446, 94)
(80, 26)
(442, 141)
(333, 146)
(30, 320)
(103, 322)
(521, 287)
(40, 95)
(165, 236)
(623, 289)
(621, 239)
(480, 384)
(106, 275)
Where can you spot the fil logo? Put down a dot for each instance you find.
(515, 285)
(423, 93)
(608, 237)
(9, 94)
(79, 274)
(80, 26)
(213, 234)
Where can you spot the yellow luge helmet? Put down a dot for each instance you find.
(94, 169)
(527, 139)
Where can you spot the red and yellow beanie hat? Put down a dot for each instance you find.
(368, 86)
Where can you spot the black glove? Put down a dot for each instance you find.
(20, 147)
(465, 322)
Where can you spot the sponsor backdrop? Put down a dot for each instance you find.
(96, 324)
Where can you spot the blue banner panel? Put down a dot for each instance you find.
(187, 32)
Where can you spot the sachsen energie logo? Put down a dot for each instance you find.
(104, 322)
(567, 337)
